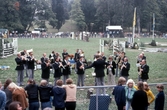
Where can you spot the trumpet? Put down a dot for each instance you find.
(61, 65)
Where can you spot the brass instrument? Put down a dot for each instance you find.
(61, 65)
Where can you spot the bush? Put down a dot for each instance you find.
(153, 43)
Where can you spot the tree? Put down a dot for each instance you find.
(77, 15)
(9, 15)
(89, 10)
(27, 12)
(102, 15)
(58, 9)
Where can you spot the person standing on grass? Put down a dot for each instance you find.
(119, 94)
(99, 66)
(59, 96)
(125, 68)
(64, 54)
(31, 65)
(57, 66)
(144, 70)
(140, 100)
(71, 89)
(150, 95)
(32, 91)
(111, 71)
(66, 68)
(19, 69)
(45, 69)
(80, 71)
(160, 98)
(45, 94)
(129, 91)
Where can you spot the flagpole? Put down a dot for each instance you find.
(134, 23)
(153, 24)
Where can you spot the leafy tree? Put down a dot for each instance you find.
(27, 12)
(89, 10)
(53, 22)
(58, 9)
(9, 15)
(78, 15)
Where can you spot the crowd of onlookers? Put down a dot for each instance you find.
(138, 97)
(63, 96)
(14, 97)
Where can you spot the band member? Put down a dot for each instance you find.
(76, 56)
(19, 69)
(46, 69)
(31, 65)
(52, 57)
(103, 56)
(111, 71)
(80, 72)
(66, 69)
(57, 69)
(44, 56)
(144, 70)
(125, 68)
(64, 54)
(121, 60)
(25, 55)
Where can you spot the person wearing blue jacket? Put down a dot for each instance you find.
(119, 94)
(59, 96)
(129, 91)
(160, 98)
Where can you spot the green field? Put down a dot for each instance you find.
(156, 61)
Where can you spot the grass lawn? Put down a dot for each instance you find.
(156, 61)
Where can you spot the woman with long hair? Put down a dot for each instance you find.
(18, 94)
(150, 95)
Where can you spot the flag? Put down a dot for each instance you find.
(134, 18)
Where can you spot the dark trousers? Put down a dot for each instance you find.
(120, 107)
(59, 108)
(70, 105)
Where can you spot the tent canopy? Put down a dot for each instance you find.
(113, 28)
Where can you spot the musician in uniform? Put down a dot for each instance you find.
(52, 57)
(64, 54)
(80, 71)
(121, 60)
(125, 68)
(144, 70)
(31, 65)
(76, 57)
(111, 71)
(25, 55)
(57, 66)
(66, 69)
(45, 66)
(42, 59)
(20, 69)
